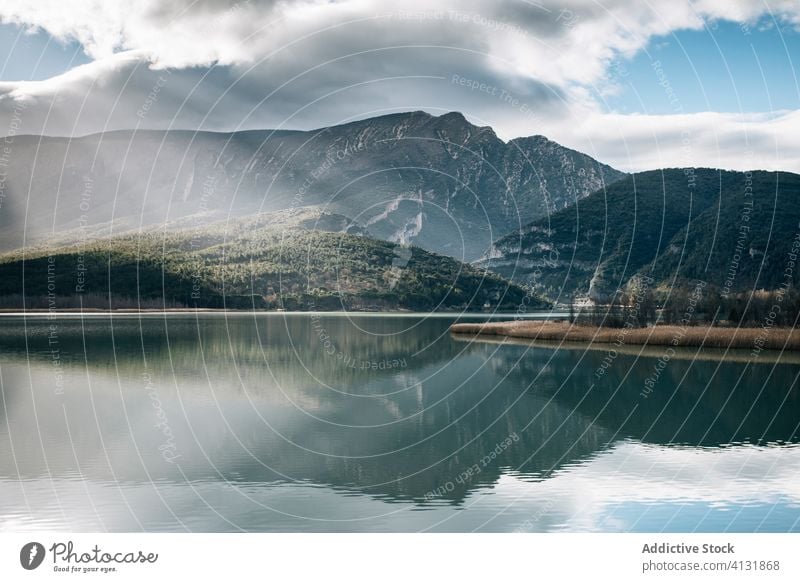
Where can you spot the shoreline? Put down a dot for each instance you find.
(755, 339)
(696, 353)
(539, 315)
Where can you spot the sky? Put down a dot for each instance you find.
(721, 68)
(638, 85)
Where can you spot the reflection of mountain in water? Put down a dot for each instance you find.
(264, 400)
(663, 401)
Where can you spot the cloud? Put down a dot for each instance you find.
(304, 64)
(718, 140)
(554, 42)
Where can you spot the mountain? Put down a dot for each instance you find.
(732, 230)
(440, 183)
(300, 259)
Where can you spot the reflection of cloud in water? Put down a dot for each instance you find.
(630, 487)
(633, 474)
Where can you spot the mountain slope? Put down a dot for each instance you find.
(745, 240)
(676, 224)
(438, 182)
(299, 259)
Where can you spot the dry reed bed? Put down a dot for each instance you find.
(707, 354)
(751, 338)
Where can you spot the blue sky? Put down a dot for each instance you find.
(724, 68)
(35, 56)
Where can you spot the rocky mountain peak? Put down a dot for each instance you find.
(439, 182)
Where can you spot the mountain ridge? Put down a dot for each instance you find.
(678, 224)
(439, 182)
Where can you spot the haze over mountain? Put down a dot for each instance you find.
(298, 259)
(437, 182)
(736, 231)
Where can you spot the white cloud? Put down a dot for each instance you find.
(717, 140)
(556, 42)
(313, 63)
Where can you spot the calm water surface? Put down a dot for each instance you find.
(301, 422)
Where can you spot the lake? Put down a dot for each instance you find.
(355, 422)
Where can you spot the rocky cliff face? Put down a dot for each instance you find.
(437, 182)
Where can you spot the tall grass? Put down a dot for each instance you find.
(752, 338)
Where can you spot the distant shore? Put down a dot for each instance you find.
(44, 310)
(755, 339)
(179, 310)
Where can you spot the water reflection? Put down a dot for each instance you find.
(305, 422)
